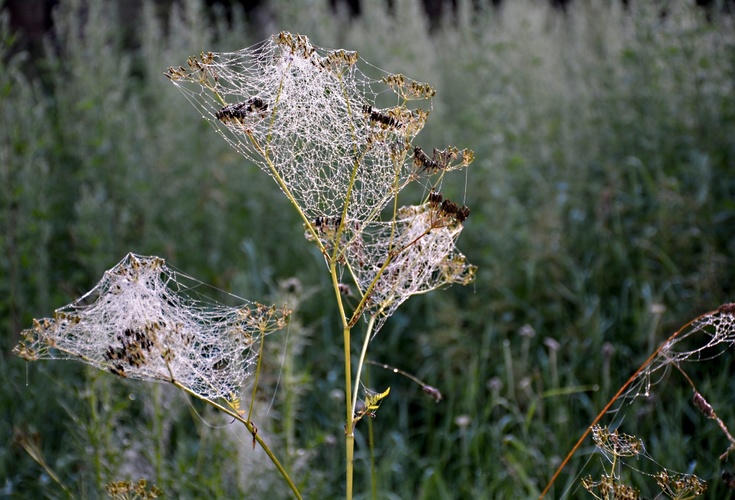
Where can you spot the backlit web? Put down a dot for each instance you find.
(308, 117)
(412, 255)
(146, 321)
(709, 336)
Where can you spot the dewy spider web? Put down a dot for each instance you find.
(308, 117)
(707, 337)
(146, 321)
(412, 255)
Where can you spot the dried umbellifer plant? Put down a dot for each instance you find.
(310, 118)
(700, 340)
(341, 153)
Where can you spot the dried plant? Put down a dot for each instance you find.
(127, 490)
(341, 153)
(617, 447)
(138, 322)
(311, 119)
(702, 339)
(146, 321)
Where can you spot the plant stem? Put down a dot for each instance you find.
(612, 401)
(361, 362)
(251, 427)
(349, 431)
(158, 433)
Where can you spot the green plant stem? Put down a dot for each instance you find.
(257, 377)
(251, 427)
(371, 447)
(158, 433)
(346, 339)
(361, 362)
(349, 430)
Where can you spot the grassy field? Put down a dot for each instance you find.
(603, 219)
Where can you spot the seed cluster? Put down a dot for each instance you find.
(242, 110)
(451, 209)
(324, 224)
(380, 117)
(134, 346)
(409, 89)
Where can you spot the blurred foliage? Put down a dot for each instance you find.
(603, 217)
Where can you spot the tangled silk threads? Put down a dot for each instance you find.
(145, 321)
(309, 117)
(412, 255)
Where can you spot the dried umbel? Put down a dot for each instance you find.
(610, 487)
(616, 444)
(308, 117)
(146, 321)
(677, 485)
(414, 254)
(123, 490)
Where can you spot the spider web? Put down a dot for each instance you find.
(414, 254)
(704, 339)
(144, 320)
(307, 116)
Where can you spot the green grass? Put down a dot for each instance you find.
(602, 190)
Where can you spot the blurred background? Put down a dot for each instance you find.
(603, 218)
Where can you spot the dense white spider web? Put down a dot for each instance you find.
(146, 321)
(308, 117)
(414, 254)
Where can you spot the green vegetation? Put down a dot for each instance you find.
(603, 219)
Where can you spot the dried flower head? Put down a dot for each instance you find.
(143, 320)
(615, 443)
(127, 490)
(680, 486)
(412, 255)
(610, 487)
(306, 116)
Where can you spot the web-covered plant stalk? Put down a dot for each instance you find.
(339, 145)
(144, 320)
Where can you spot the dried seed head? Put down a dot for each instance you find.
(435, 198)
(676, 485)
(432, 392)
(610, 487)
(139, 322)
(312, 137)
(615, 443)
(702, 405)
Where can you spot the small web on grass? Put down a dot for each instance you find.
(702, 340)
(146, 321)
